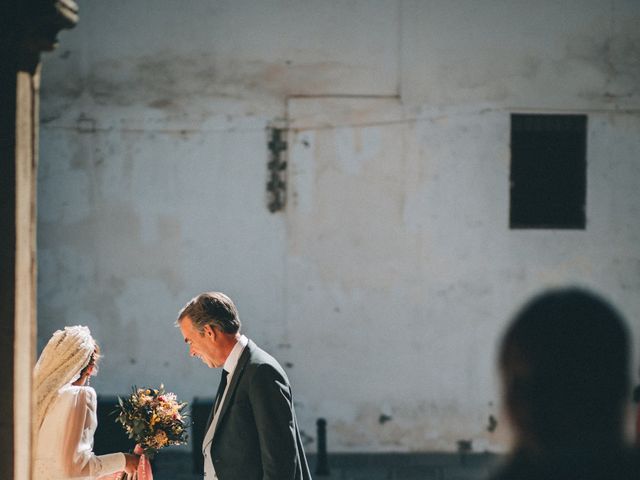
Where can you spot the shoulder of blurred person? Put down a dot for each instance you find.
(620, 464)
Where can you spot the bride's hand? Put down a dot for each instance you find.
(131, 464)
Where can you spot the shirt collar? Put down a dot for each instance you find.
(232, 360)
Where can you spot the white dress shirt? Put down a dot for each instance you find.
(230, 365)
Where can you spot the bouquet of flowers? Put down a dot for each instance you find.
(152, 418)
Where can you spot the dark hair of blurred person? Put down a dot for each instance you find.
(564, 363)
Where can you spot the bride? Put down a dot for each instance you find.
(66, 411)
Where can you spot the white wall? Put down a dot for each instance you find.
(385, 284)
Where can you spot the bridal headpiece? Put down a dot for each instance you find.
(65, 355)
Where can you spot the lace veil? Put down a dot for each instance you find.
(65, 355)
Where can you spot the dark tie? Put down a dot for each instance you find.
(221, 387)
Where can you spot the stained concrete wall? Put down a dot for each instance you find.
(385, 284)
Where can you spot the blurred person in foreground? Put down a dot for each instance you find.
(66, 412)
(564, 362)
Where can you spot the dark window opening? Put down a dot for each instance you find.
(548, 171)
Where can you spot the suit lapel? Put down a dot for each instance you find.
(210, 416)
(237, 374)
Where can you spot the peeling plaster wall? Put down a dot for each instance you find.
(385, 284)
(544, 55)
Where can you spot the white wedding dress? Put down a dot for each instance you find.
(64, 448)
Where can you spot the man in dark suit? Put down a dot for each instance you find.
(252, 433)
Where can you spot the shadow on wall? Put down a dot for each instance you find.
(110, 436)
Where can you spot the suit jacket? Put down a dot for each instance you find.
(257, 436)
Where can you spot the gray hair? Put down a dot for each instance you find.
(214, 309)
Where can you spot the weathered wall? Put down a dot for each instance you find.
(385, 284)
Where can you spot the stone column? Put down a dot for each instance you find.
(27, 27)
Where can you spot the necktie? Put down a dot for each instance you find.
(221, 387)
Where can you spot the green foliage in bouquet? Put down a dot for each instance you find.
(153, 418)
